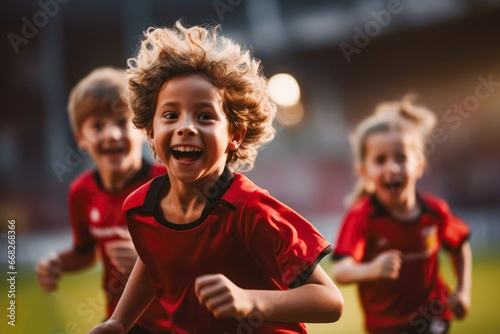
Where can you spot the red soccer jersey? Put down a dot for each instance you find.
(418, 293)
(243, 233)
(96, 216)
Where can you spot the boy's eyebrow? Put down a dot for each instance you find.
(176, 104)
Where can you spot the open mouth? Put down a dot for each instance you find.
(184, 153)
(114, 151)
(394, 185)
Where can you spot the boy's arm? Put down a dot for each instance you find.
(49, 269)
(317, 300)
(385, 266)
(138, 294)
(460, 300)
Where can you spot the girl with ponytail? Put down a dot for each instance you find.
(390, 238)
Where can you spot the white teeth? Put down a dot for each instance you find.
(181, 148)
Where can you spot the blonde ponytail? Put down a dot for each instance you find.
(402, 115)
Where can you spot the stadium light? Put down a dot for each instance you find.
(284, 90)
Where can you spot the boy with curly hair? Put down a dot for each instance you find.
(220, 253)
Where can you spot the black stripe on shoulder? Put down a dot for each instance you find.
(229, 205)
(133, 211)
(302, 278)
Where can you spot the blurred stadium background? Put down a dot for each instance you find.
(346, 56)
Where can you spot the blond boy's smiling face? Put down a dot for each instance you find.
(112, 141)
(190, 131)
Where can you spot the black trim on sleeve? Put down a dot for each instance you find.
(84, 249)
(302, 278)
(457, 249)
(338, 257)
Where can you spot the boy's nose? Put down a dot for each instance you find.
(113, 131)
(186, 127)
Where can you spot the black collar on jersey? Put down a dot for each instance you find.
(381, 211)
(141, 173)
(213, 198)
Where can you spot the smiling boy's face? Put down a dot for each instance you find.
(190, 131)
(391, 167)
(112, 141)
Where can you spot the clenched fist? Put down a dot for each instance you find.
(48, 272)
(387, 264)
(222, 297)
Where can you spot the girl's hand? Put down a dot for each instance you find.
(111, 326)
(387, 265)
(222, 297)
(459, 303)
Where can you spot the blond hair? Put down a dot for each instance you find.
(100, 92)
(169, 52)
(403, 116)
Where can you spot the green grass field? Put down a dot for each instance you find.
(78, 304)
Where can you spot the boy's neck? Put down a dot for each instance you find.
(117, 181)
(184, 202)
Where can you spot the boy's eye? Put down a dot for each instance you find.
(205, 116)
(400, 158)
(170, 115)
(99, 125)
(122, 121)
(380, 159)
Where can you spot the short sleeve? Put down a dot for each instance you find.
(282, 242)
(351, 240)
(82, 239)
(455, 232)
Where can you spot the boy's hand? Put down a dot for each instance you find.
(459, 303)
(48, 272)
(122, 255)
(387, 264)
(222, 297)
(111, 326)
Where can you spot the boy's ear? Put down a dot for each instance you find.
(151, 136)
(236, 138)
(80, 141)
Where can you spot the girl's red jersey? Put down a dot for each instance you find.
(391, 306)
(243, 233)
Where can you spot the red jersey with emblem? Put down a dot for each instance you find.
(391, 306)
(243, 233)
(96, 217)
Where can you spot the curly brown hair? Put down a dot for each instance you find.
(169, 52)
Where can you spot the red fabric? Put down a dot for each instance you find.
(393, 306)
(96, 215)
(250, 237)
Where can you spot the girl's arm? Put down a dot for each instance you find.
(460, 300)
(317, 300)
(138, 294)
(385, 266)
